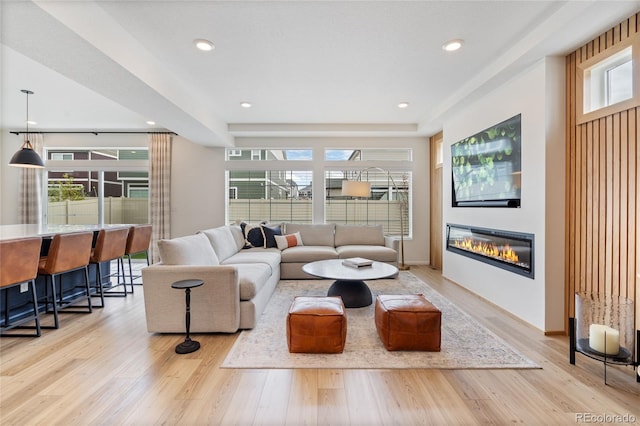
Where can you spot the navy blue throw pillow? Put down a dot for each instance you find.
(269, 233)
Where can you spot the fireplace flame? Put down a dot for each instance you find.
(487, 249)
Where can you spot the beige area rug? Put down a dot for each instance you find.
(465, 343)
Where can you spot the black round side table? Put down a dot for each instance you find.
(188, 345)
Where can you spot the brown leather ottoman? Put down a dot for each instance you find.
(316, 325)
(408, 322)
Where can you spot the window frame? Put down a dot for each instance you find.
(583, 79)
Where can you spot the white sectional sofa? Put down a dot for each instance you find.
(239, 281)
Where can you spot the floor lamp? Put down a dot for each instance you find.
(362, 189)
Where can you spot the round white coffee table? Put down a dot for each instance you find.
(350, 282)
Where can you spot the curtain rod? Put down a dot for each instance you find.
(93, 133)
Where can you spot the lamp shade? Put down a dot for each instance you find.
(26, 157)
(356, 188)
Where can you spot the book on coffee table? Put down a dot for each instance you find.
(357, 262)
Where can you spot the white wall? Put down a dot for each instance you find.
(530, 94)
(197, 187)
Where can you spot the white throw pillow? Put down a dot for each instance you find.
(290, 240)
(190, 250)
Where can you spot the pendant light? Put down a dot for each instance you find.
(26, 157)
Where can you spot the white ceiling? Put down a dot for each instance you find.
(308, 67)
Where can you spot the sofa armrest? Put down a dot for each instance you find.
(215, 306)
(392, 242)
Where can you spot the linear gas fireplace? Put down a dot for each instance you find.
(508, 250)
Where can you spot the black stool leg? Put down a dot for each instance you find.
(99, 283)
(87, 286)
(6, 306)
(124, 280)
(34, 297)
(130, 270)
(56, 324)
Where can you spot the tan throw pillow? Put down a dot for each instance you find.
(290, 240)
(190, 250)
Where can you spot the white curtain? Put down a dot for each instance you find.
(30, 189)
(160, 189)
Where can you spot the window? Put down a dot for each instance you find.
(279, 187)
(233, 193)
(61, 156)
(269, 195)
(135, 191)
(369, 154)
(102, 186)
(618, 83)
(607, 80)
(388, 204)
(269, 154)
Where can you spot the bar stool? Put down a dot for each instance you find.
(110, 245)
(67, 252)
(138, 241)
(18, 265)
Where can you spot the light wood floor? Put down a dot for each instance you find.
(105, 368)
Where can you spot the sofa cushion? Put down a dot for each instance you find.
(378, 253)
(313, 235)
(269, 233)
(190, 250)
(222, 241)
(236, 231)
(270, 257)
(308, 254)
(252, 277)
(289, 240)
(359, 235)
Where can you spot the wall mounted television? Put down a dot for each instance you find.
(486, 168)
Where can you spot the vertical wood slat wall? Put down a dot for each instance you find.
(603, 248)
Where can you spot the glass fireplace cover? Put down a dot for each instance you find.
(508, 250)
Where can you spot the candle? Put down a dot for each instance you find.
(604, 339)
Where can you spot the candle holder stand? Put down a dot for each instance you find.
(604, 329)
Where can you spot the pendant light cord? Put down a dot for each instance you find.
(27, 142)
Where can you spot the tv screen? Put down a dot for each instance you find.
(486, 167)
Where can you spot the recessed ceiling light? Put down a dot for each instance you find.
(33, 123)
(452, 45)
(151, 123)
(204, 45)
(403, 104)
(245, 104)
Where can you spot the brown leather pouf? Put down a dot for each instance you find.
(316, 325)
(408, 322)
